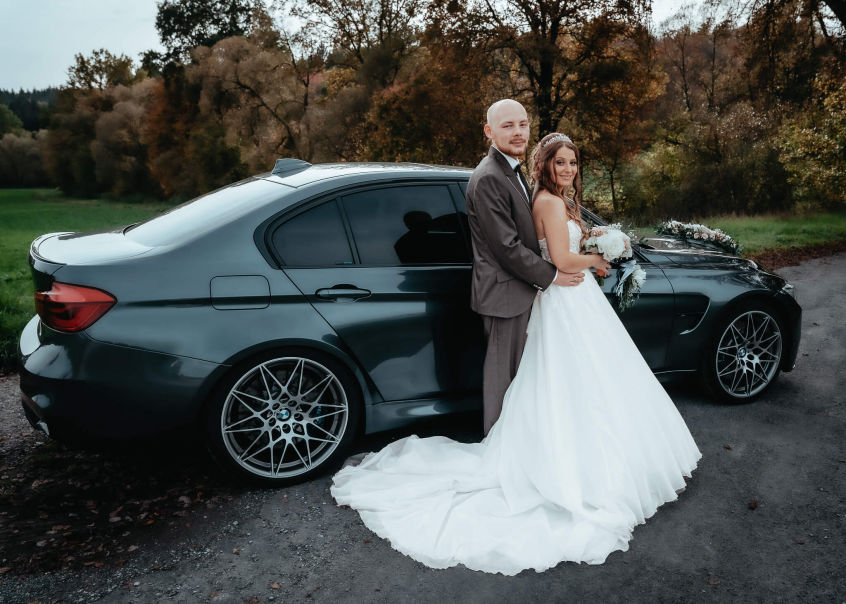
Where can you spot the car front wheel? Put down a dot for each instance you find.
(283, 418)
(744, 358)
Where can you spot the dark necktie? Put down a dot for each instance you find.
(519, 172)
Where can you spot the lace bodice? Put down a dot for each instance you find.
(575, 239)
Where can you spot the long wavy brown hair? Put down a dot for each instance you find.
(543, 174)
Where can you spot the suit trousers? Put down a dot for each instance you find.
(506, 340)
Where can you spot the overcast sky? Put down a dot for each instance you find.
(40, 37)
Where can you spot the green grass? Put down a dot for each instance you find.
(24, 215)
(769, 231)
(761, 233)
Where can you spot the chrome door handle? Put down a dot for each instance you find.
(342, 292)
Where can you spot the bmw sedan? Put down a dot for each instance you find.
(287, 314)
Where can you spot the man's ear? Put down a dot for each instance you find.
(488, 131)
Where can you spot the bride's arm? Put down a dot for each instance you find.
(553, 216)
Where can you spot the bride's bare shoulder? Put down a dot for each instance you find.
(545, 202)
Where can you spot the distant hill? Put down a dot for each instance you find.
(31, 106)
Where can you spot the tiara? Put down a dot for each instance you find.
(555, 139)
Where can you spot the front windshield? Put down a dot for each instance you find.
(591, 219)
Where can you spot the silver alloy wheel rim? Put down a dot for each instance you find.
(284, 417)
(748, 354)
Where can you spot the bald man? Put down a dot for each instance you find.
(508, 270)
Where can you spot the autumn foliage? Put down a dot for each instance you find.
(716, 110)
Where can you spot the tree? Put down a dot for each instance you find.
(816, 9)
(262, 96)
(614, 123)
(186, 24)
(420, 118)
(170, 119)
(787, 45)
(9, 122)
(371, 36)
(813, 149)
(31, 106)
(838, 7)
(67, 145)
(187, 150)
(119, 150)
(553, 50)
(678, 55)
(100, 70)
(20, 160)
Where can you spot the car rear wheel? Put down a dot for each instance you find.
(745, 355)
(283, 418)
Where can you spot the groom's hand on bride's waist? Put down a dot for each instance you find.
(568, 279)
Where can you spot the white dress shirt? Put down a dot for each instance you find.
(514, 163)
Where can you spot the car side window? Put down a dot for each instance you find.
(411, 224)
(315, 237)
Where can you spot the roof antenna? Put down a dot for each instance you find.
(288, 166)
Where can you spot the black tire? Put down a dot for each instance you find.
(283, 417)
(744, 354)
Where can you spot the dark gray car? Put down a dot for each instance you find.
(288, 313)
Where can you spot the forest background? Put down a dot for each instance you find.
(728, 107)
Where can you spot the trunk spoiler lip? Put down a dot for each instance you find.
(33, 248)
(41, 248)
(38, 262)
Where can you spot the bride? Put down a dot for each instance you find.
(587, 446)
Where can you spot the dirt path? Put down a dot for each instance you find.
(763, 518)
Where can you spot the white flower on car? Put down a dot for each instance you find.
(639, 277)
(699, 232)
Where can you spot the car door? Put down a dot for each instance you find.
(650, 321)
(398, 293)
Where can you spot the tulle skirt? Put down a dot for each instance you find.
(588, 445)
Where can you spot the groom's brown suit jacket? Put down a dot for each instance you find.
(507, 266)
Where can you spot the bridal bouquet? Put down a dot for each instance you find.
(608, 240)
(699, 232)
(613, 244)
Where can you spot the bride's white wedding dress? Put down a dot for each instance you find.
(588, 445)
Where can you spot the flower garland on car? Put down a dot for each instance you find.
(613, 244)
(699, 232)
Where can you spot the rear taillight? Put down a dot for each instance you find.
(69, 307)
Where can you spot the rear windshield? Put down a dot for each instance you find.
(206, 213)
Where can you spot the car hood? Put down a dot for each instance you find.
(86, 248)
(687, 252)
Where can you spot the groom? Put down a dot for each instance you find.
(508, 269)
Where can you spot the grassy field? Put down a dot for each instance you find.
(761, 233)
(766, 232)
(27, 213)
(24, 215)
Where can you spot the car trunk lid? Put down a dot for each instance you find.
(85, 248)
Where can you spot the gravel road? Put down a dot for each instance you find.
(762, 519)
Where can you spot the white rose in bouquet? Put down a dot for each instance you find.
(613, 244)
(609, 241)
